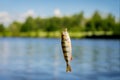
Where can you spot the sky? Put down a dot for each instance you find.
(19, 10)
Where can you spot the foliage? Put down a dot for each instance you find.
(2, 28)
(75, 23)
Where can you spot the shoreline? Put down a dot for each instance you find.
(103, 37)
(57, 34)
(86, 37)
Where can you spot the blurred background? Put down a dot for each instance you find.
(30, 45)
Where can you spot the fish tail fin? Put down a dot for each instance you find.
(68, 68)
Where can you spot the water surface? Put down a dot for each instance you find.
(42, 59)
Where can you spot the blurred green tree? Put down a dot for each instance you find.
(96, 21)
(2, 28)
(29, 25)
(14, 28)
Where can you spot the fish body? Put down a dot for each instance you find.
(66, 48)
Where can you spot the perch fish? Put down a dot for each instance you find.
(66, 48)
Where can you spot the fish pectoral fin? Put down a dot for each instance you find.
(71, 58)
(68, 68)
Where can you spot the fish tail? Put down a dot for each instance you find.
(68, 68)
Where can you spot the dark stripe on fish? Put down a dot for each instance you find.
(66, 58)
(63, 42)
(64, 46)
(65, 52)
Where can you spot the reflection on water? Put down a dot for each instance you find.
(42, 59)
